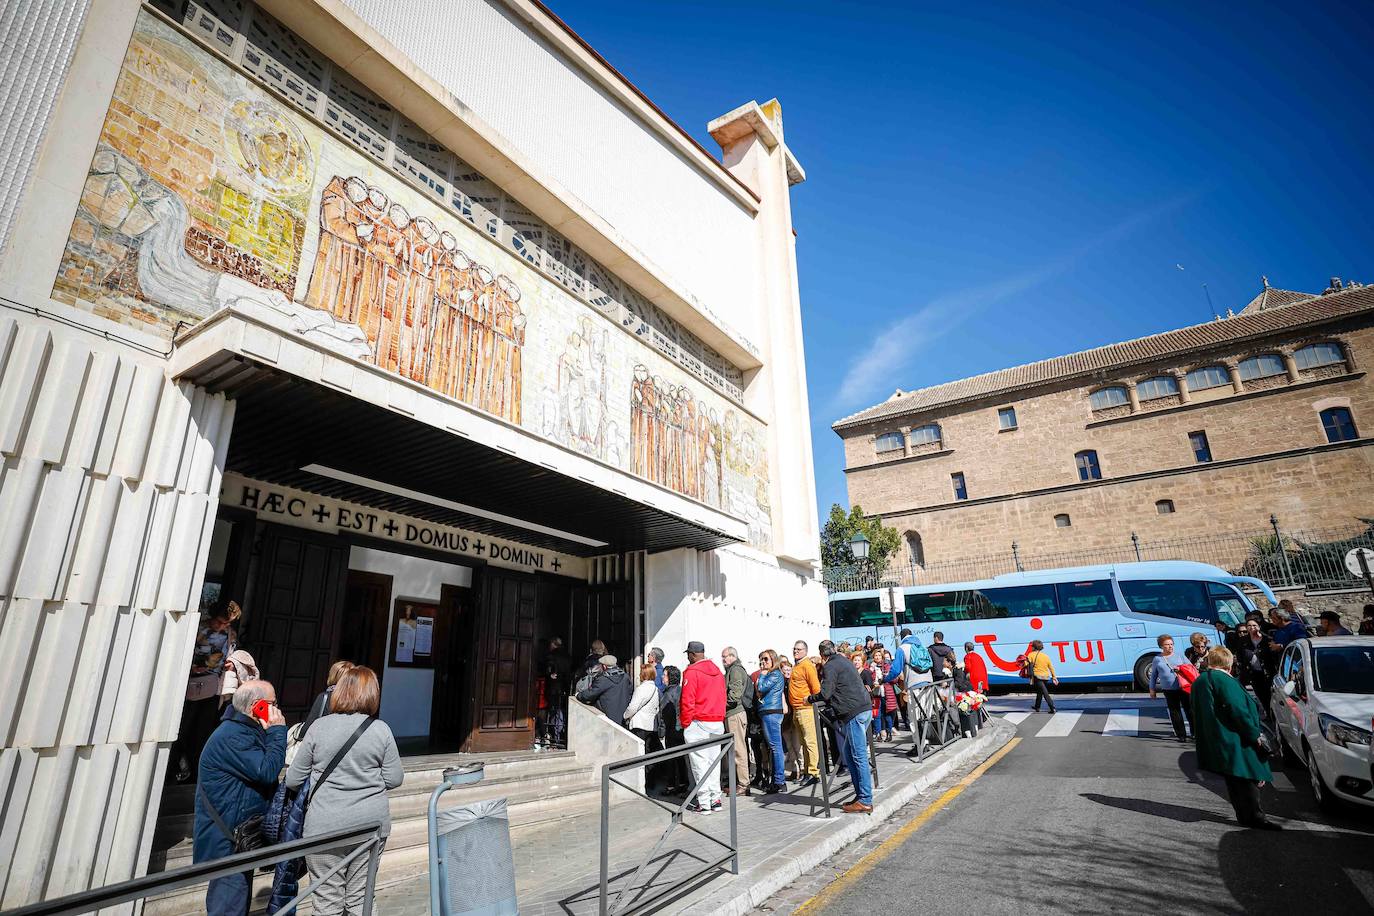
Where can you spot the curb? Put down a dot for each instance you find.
(769, 877)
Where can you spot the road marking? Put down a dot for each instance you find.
(1016, 718)
(846, 881)
(1061, 725)
(1122, 723)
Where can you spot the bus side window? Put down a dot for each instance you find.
(1227, 604)
(1091, 597)
(1019, 601)
(1177, 598)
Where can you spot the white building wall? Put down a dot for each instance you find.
(587, 142)
(730, 596)
(37, 43)
(107, 491)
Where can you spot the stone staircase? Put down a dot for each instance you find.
(540, 789)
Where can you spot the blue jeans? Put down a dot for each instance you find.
(229, 896)
(855, 746)
(772, 728)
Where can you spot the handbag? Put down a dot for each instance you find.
(246, 836)
(1186, 675)
(202, 687)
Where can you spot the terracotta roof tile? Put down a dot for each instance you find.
(1247, 325)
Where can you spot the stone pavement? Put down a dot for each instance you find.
(780, 838)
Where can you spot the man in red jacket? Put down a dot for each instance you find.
(702, 713)
(977, 668)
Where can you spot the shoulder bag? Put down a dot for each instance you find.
(245, 837)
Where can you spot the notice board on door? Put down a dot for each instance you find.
(412, 633)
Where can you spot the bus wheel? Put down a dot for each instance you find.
(1142, 671)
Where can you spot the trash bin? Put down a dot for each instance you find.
(471, 866)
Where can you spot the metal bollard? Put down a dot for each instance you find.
(477, 836)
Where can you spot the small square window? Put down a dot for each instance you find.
(960, 491)
(1062, 521)
(1164, 506)
(1006, 418)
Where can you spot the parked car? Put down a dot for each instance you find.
(1323, 705)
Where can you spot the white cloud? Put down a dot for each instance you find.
(894, 352)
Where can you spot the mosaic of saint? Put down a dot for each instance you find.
(206, 192)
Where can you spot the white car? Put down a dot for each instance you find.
(1323, 705)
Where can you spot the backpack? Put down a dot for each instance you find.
(1024, 667)
(917, 657)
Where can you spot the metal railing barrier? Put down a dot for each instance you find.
(824, 719)
(367, 839)
(726, 743)
(930, 707)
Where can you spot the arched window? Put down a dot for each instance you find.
(915, 549)
(924, 435)
(1317, 355)
(1164, 506)
(1088, 468)
(1209, 377)
(1103, 398)
(1161, 386)
(1339, 424)
(1265, 366)
(890, 442)
(1062, 520)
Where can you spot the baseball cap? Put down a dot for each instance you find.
(695, 646)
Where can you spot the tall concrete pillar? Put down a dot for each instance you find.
(751, 141)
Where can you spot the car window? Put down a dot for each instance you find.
(1343, 669)
(1286, 666)
(1093, 596)
(1299, 681)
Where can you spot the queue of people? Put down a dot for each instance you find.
(771, 711)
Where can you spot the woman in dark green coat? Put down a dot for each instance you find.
(1229, 740)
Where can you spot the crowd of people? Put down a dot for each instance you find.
(774, 712)
(1205, 688)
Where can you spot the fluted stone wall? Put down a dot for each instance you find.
(108, 490)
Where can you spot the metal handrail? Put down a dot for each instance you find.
(823, 749)
(367, 836)
(939, 712)
(726, 743)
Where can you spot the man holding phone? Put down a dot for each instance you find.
(238, 776)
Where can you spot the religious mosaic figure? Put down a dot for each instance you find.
(433, 314)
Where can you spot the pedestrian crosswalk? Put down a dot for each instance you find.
(1109, 723)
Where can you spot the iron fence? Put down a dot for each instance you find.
(1311, 558)
(365, 840)
(638, 902)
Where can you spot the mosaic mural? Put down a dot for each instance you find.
(206, 192)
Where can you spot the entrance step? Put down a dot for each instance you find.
(540, 790)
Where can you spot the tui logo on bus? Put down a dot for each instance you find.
(1089, 652)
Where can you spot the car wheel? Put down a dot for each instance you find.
(1325, 800)
(1142, 671)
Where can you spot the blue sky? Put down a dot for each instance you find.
(991, 184)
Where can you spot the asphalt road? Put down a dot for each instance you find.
(1073, 820)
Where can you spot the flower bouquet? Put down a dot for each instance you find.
(969, 700)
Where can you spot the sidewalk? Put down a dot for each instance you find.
(557, 866)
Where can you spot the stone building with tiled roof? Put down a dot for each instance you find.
(1190, 432)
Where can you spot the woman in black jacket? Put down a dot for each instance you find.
(675, 772)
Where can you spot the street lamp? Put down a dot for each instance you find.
(858, 545)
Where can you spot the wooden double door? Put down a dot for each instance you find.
(309, 609)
